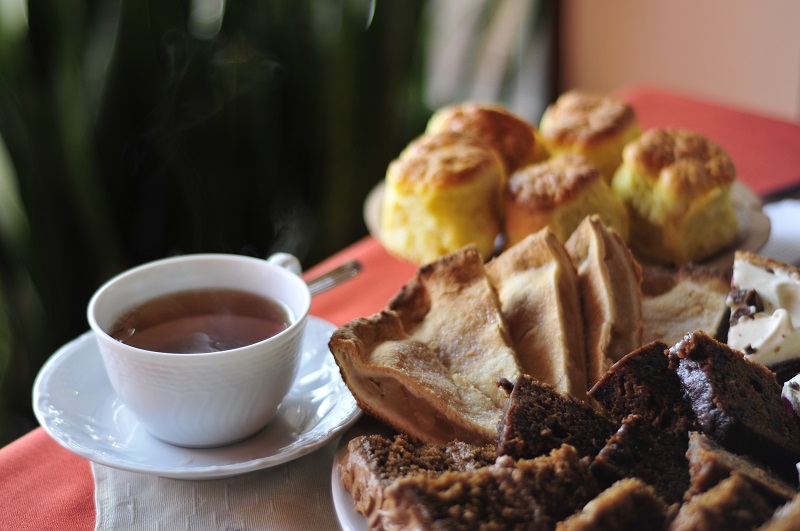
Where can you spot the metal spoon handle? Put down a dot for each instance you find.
(334, 277)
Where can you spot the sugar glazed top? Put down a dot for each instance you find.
(585, 118)
(683, 162)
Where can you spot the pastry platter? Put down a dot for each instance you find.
(609, 274)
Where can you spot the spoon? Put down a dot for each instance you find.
(334, 277)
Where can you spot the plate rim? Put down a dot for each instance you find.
(347, 516)
(61, 356)
(349, 519)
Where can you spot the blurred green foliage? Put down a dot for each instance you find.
(131, 130)
(129, 138)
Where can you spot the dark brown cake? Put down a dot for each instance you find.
(373, 462)
(529, 494)
(786, 370)
(737, 403)
(731, 505)
(642, 383)
(627, 504)
(538, 419)
(786, 518)
(710, 463)
(640, 450)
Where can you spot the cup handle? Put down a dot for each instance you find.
(286, 261)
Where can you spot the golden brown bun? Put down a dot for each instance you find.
(610, 285)
(512, 137)
(676, 185)
(538, 291)
(444, 192)
(676, 302)
(593, 125)
(559, 193)
(428, 365)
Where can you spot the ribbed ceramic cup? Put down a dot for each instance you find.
(208, 399)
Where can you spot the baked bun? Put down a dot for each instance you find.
(677, 187)
(592, 125)
(512, 137)
(559, 192)
(442, 193)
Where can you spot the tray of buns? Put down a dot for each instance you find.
(752, 232)
(480, 174)
(566, 371)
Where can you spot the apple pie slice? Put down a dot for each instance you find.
(538, 290)
(428, 364)
(610, 284)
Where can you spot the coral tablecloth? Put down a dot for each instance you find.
(43, 486)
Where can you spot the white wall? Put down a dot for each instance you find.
(744, 53)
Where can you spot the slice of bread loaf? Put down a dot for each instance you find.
(627, 504)
(640, 450)
(785, 518)
(610, 287)
(524, 494)
(738, 403)
(643, 383)
(428, 365)
(732, 504)
(374, 462)
(537, 286)
(710, 463)
(539, 419)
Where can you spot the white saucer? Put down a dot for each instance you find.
(75, 403)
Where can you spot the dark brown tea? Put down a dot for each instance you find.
(200, 321)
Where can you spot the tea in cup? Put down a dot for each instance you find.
(202, 348)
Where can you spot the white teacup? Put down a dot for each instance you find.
(203, 399)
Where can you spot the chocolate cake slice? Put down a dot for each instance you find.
(737, 403)
(538, 419)
(642, 383)
(627, 504)
(786, 518)
(731, 505)
(373, 462)
(525, 494)
(640, 450)
(710, 463)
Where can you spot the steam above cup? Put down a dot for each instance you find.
(203, 399)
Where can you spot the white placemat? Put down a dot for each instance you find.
(291, 496)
